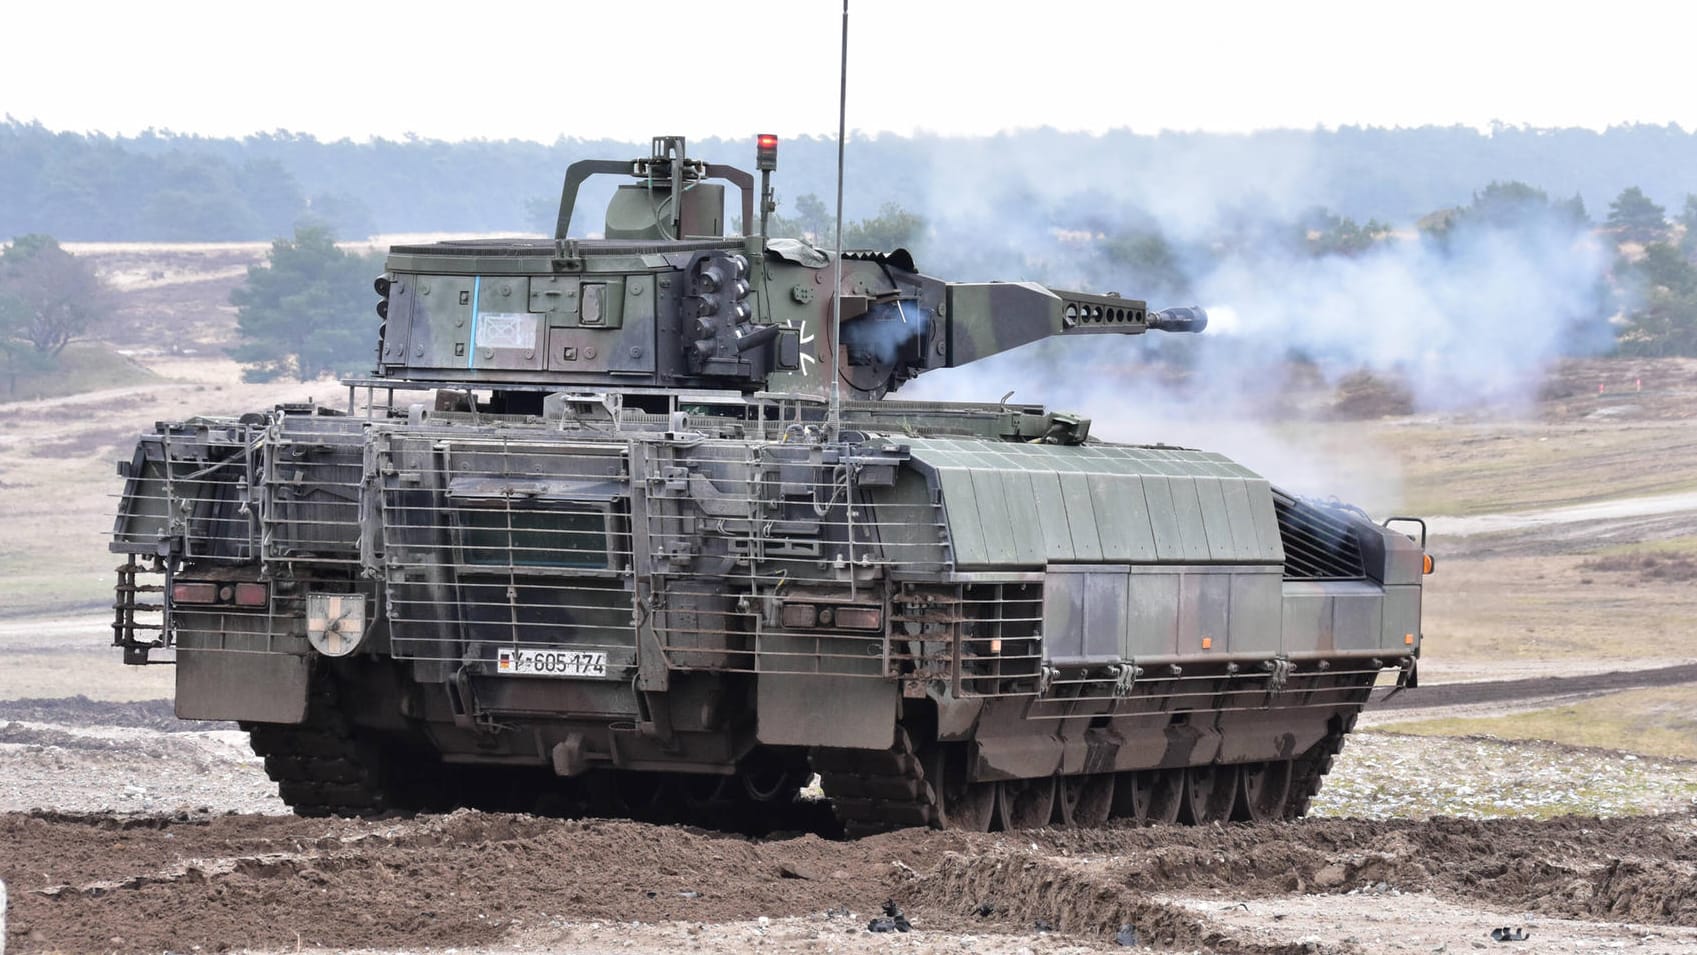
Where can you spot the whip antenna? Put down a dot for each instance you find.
(835, 418)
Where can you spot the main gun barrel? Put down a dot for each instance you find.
(985, 318)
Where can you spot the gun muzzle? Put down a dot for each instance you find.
(1182, 318)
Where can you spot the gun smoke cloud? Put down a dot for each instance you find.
(1467, 320)
(1474, 323)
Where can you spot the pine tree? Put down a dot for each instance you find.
(1636, 218)
(307, 312)
(1688, 219)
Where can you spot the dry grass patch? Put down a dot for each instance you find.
(1482, 612)
(1661, 722)
(1364, 395)
(1462, 468)
(97, 672)
(82, 366)
(1647, 566)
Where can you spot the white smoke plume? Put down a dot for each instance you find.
(1473, 321)
(1470, 325)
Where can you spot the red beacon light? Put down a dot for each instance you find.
(766, 152)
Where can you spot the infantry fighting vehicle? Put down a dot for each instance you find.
(598, 539)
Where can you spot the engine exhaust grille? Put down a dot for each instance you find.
(1319, 539)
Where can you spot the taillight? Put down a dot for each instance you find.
(248, 594)
(803, 616)
(794, 616)
(252, 595)
(860, 618)
(186, 593)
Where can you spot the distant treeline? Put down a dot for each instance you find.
(166, 186)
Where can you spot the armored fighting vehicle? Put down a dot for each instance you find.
(629, 526)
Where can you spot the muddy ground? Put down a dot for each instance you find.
(123, 829)
(101, 881)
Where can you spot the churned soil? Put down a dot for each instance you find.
(122, 829)
(92, 882)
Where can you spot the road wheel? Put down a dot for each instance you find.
(1209, 793)
(960, 803)
(1025, 803)
(1263, 790)
(1085, 801)
(1149, 797)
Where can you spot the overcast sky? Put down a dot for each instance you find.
(624, 69)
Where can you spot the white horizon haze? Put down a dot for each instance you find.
(542, 71)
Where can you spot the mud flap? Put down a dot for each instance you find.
(831, 711)
(256, 687)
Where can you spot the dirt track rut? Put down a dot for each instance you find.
(1433, 696)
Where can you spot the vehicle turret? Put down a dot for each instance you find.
(664, 299)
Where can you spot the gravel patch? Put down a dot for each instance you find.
(126, 769)
(1392, 776)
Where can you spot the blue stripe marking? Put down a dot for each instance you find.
(471, 347)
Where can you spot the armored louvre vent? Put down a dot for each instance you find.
(1320, 541)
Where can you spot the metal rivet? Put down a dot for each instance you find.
(636, 351)
(589, 353)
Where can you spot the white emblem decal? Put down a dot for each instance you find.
(506, 330)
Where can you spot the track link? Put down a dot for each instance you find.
(320, 768)
(1310, 769)
(874, 791)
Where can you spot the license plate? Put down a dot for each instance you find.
(512, 661)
